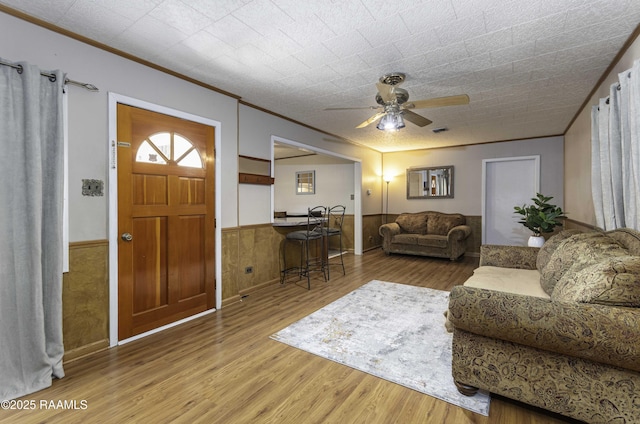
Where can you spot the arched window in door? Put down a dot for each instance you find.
(169, 148)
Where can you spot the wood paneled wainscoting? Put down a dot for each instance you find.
(224, 368)
(85, 299)
(570, 224)
(258, 246)
(371, 238)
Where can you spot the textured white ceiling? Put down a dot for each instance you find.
(527, 65)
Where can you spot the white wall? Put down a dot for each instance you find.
(579, 202)
(334, 184)
(467, 162)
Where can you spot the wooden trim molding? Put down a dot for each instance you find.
(244, 178)
(605, 74)
(479, 143)
(230, 229)
(88, 243)
(81, 352)
(231, 300)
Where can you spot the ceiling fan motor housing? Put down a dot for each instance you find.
(393, 78)
(401, 94)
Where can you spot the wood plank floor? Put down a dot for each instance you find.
(223, 368)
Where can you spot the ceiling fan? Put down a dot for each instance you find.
(395, 105)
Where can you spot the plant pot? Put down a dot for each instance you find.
(535, 241)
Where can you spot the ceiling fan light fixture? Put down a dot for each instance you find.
(394, 105)
(386, 123)
(392, 121)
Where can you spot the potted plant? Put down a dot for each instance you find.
(541, 217)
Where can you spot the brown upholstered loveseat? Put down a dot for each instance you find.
(426, 233)
(556, 327)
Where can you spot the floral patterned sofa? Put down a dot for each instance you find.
(443, 235)
(556, 327)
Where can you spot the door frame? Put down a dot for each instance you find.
(485, 162)
(114, 99)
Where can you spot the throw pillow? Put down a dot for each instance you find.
(615, 281)
(550, 246)
(440, 224)
(413, 223)
(576, 253)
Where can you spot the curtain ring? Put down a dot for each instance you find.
(52, 77)
(19, 69)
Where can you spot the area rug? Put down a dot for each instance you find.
(393, 331)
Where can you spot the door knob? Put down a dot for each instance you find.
(127, 237)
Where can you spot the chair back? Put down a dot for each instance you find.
(335, 217)
(316, 219)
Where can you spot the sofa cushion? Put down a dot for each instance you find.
(550, 246)
(414, 223)
(511, 280)
(614, 281)
(440, 224)
(576, 253)
(432, 240)
(405, 239)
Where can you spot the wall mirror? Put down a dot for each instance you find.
(430, 183)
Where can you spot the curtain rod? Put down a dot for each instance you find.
(52, 77)
(618, 87)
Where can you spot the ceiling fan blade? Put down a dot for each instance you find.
(386, 92)
(416, 119)
(461, 99)
(351, 108)
(372, 119)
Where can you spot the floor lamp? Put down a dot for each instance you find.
(387, 179)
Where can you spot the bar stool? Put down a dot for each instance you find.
(333, 228)
(315, 231)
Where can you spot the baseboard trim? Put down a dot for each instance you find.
(231, 300)
(86, 350)
(257, 287)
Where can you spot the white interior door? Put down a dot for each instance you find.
(507, 182)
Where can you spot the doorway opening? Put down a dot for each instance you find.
(282, 148)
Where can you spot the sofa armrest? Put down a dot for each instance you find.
(508, 256)
(458, 233)
(389, 230)
(599, 333)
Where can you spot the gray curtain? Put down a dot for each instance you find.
(615, 153)
(31, 199)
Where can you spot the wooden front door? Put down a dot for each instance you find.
(166, 259)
